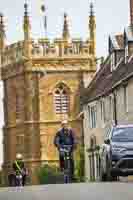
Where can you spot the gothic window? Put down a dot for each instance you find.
(61, 100)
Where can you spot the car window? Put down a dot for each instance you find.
(123, 134)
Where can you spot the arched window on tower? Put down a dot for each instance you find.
(61, 99)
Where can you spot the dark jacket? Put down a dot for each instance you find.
(65, 137)
(21, 166)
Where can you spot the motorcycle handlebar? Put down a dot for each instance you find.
(66, 148)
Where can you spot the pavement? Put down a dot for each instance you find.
(82, 191)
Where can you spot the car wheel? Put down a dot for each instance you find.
(110, 177)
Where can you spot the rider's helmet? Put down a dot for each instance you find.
(19, 156)
(64, 122)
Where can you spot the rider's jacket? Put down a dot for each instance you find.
(18, 166)
(64, 137)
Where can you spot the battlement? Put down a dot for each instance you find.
(12, 53)
(45, 48)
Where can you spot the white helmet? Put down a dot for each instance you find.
(64, 122)
(19, 156)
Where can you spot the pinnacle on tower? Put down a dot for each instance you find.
(2, 32)
(92, 22)
(92, 30)
(26, 24)
(1, 22)
(91, 9)
(66, 34)
(26, 9)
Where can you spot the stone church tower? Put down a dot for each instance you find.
(42, 81)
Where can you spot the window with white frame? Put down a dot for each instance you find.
(126, 98)
(92, 116)
(61, 100)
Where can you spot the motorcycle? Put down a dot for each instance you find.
(65, 151)
(17, 179)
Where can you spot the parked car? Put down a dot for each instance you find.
(116, 154)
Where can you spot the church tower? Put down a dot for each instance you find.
(42, 82)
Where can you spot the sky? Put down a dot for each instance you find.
(111, 18)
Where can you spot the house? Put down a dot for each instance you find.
(108, 99)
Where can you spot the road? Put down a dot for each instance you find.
(90, 191)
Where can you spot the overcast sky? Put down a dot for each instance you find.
(111, 17)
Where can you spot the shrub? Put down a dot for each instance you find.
(79, 165)
(49, 174)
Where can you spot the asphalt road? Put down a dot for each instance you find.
(90, 191)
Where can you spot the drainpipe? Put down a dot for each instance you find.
(115, 108)
(81, 116)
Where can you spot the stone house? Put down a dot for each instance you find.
(108, 99)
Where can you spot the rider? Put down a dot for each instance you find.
(65, 136)
(19, 167)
